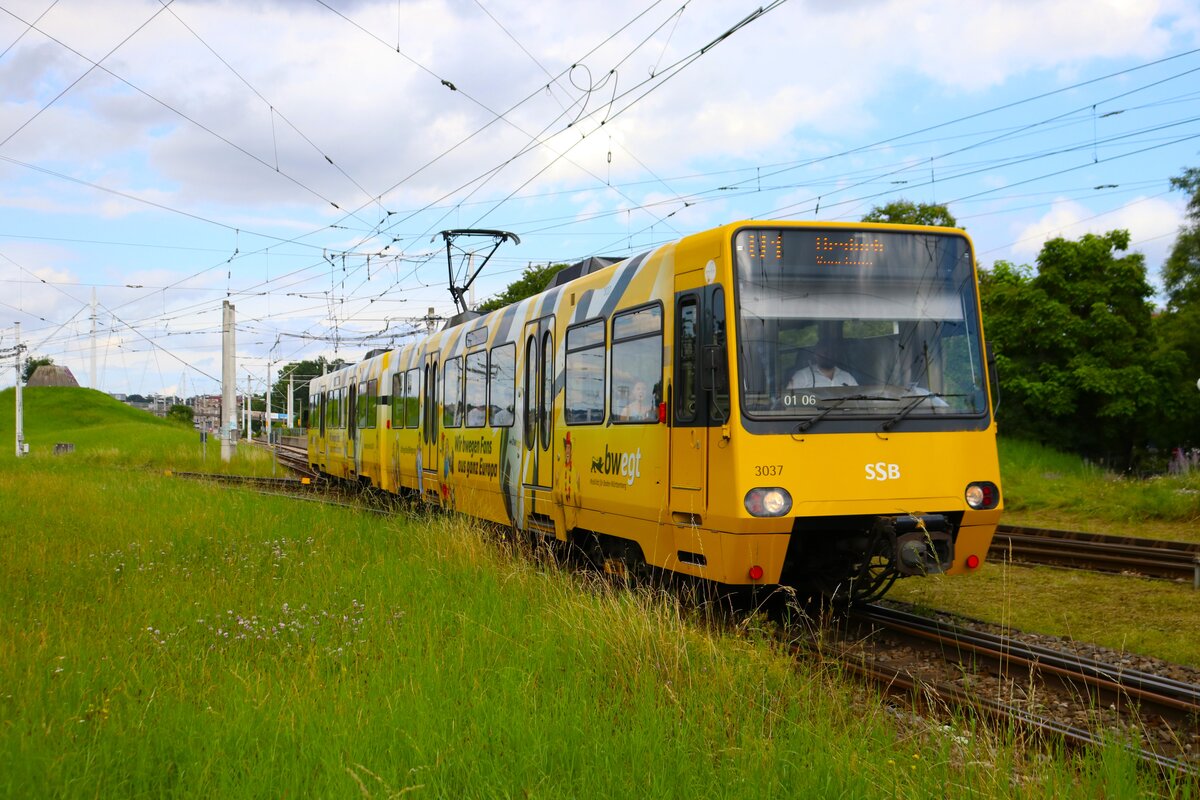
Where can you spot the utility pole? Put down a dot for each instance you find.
(249, 402)
(291, 392)
(20, 419)
(228, 384)
(95, 377)
(267, 401)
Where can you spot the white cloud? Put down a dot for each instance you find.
(1152, 223)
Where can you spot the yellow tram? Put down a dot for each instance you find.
(795, 403)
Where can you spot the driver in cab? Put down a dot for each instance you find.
(822, 370)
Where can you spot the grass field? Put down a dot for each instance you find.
(160, 638)
(1042, 486)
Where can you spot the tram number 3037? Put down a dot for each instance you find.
(883, 471)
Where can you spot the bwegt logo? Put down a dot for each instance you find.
(627, 465)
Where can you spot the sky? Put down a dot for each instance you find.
(299, 158)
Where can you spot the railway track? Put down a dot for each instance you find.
(294, 458)
(1079, 700)
(1099, 552)
(295, 484)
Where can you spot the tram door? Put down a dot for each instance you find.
(351, 446)
(689, 431)
(322, 438)
(430, 420)
(537, 459)
(362, 404)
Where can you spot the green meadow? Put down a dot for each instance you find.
(165, 638)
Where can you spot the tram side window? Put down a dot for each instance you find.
(502, 385)
(585, 373)
(361, 402)
(372, 404)
(412, 398)
(718, 399)
(452, 399)
(476, 394)
(637, 365)
(397, 401)
(687, 356)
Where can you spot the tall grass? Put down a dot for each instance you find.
(186, 640)
(161, 638)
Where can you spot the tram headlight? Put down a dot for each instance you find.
(768, 501)
(982, 495)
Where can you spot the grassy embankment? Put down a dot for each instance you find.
(165, 638)
(110, 434)
(1049, 489)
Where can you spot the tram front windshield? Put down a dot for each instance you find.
(857, 324)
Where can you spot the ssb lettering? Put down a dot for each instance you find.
(883, 471)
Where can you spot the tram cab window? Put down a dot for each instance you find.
(877, 322)
(637, 365)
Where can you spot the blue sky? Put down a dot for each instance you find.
(296, 157)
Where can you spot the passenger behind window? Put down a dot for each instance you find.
(640, 406)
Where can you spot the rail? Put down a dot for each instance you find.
(1088, 683)
(1099, 552)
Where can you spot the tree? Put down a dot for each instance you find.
(31, 365)
(907, 212)
(533, 280)
(1080, 364)
(1179, 324)
(181, 413)
(1181, 272)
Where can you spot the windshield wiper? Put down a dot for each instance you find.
(905, 411)
(805, 424)
(908, 409)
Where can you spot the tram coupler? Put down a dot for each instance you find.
(924, 544)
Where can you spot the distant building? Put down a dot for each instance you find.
(52, 375)
(207, 409)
